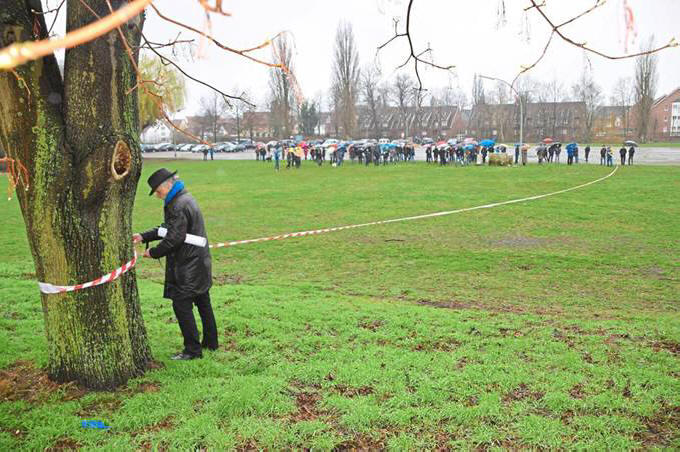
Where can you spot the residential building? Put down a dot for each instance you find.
(665, 117)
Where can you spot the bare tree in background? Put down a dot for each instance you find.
(346, 77)
(587, 91)
(213, 108)
(500, 93)
(478, 95)
(236, 111)
(555, 94)
(478, 98)
(622, 97)
(646, 79)
(282, 98)
(334, 107)
(369, 92)
(402, 93)
(419, 96)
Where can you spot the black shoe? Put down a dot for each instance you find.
(185, 357)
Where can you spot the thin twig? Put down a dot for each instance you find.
(416, 57)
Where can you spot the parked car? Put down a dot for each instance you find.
(167, 147)
(225, 147)
(427, 141)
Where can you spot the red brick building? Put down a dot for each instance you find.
(665, 120)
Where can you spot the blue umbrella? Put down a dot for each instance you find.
(469, 147)
(487, 143)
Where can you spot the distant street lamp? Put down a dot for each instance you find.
(521, 107)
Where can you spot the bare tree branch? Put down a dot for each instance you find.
(582, 45)
(413, 55)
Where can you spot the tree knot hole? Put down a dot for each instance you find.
(122, 160)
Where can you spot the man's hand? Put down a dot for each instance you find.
(147, 254)
(136, 238)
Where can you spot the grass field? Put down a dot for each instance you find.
(548, 324)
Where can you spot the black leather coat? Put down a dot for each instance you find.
(188, 268)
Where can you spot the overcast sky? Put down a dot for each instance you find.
(461, 32)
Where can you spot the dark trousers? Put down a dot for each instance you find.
(187, 323)
(630, 159)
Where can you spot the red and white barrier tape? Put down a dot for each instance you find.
(48, 288)
(52, 289)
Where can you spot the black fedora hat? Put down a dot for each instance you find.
(158, 178)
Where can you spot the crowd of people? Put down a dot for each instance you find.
(460, 154)
(365, 153)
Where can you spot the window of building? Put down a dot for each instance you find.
(675, 119)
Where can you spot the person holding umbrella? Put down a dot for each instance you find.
(631, 150)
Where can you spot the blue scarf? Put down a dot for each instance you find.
(177, 187)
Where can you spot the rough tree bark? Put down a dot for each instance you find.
(78, 137)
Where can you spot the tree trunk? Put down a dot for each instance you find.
(78, 138)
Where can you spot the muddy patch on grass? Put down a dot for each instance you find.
(658, 274)
(144, 387)
(670, 346)
(442, 345)
(350, 391)
(23, 381)
(511, 332)
(661, 429)
(101, 406)
(522, 392)
(222, 280)
(560, 336)
(363, 443)
(166, 424)
(519, 242)
(493, 309)
(372, 325)
(613, 339)
(64, 444)
(576, 392)
(448, 304)
(306, 403)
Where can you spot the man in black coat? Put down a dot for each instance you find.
(188, 269)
